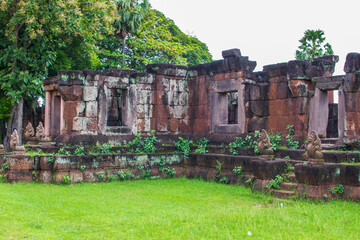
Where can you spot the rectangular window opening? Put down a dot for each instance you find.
(232, 107)
(115, 107)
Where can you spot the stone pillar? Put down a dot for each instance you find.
(47, 113)
(319, 112)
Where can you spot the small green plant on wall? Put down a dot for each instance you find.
(183, 146)
(145, 171)
(65, 180)
(275, 183)
(238, 171)
(80, 151)
(289, 138)
(338, 189)
(201, 145)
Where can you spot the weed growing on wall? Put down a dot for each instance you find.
(62, 152)
(170, 172)
(289, 138)
(248, 142)
(275, 140)
(51, 158)
(338, 189)
(183, 146)
(149, 143)
(125, 175)
(82, 168)
(146, 144)
(80, 151)
(219, 177)
(65, 180)
(238, 171)
(145, 171)
(275, 183)
(100, 175)
(201, 145)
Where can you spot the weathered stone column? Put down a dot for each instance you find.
(47, 113)
(319, 112)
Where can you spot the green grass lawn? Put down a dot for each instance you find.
(166, 209)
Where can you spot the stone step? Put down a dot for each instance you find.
(291, 177)
(326, 146)
(330, 140)
(282, 193)
(288, 186)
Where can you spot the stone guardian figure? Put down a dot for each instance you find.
(29, 132)
(14, 144)
(313, 149)
(264, 146)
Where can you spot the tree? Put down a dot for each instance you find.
(312, 46)
(130, 13)
(158, 40)
(30, 33)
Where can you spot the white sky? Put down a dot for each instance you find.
(268, 31)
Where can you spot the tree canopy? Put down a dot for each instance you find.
(313, 46)
(158, 40)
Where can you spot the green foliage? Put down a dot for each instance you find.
(289, 138)
(312, 46)
(287, 157)
(82, 168)
(5, 166)
(80, 151)
(238, 171)
(219, 177)
(31, 33)
(275, 183)
(126, 175)
(275, 140)
(62, 152)
(51, 158)
(170, 172)
(145, 171)
(183, 146)
(338, 189)
(149, 142)
(248, 142)
(249, 183)
(105, 148)
(201, 145)
(158, 40)
(162, 164)
(224, 180)
(65, 180)
(100, 175)
(146, 144)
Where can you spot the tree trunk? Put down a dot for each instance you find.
(9, 128)
(123, 46)
(19, 120)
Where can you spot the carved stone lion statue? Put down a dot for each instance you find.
(14, 142)
(264, 144)
(313, 149)
(29, 132)
(40, 132)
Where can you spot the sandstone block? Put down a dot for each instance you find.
(352, 63)
(231, 53)
(91, 109)
(90, 93)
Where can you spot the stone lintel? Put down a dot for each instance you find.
(329, 83)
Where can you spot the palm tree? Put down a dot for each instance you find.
(131, 13)
(311, 46)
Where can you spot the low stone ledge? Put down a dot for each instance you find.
(328, 174)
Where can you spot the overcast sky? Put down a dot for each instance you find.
(268, 31)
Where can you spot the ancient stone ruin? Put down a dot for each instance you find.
(222, 101)
(225, 97)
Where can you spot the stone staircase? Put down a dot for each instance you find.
(330, 143)
(288, 188)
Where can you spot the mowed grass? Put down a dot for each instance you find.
(166, 209)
